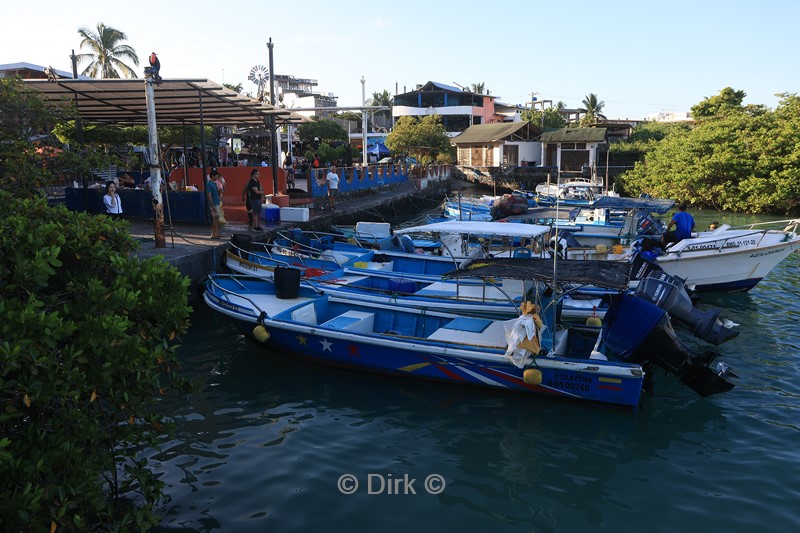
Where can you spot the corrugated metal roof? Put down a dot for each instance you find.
(488, 133)
(183, 101)
(575, 135)
(447, 87)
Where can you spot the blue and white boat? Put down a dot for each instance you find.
(609, 365)
(726, 259)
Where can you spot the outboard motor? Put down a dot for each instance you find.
(669, 293)
(642, 266)
(649, 225)
(565, 241)
(639, 331)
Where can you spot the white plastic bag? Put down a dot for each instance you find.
(517, 330)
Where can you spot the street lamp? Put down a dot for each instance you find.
(363, 123)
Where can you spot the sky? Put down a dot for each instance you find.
(639, 57)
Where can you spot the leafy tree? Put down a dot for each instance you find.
(329, 154)
(106, 53)
(424, 138)
(85, 355)
(350, 115)
(23, 117)
(235, 88)
(85, 347)
(322, 130)
(550, 118)
(740, 160)
(644, 138)
(727, 100)
(27, 165)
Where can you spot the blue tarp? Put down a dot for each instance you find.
(378, 149)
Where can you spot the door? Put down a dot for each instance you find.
(510, 155)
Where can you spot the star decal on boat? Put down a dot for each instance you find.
(326, 345)
(302, 340)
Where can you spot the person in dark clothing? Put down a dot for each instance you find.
(254, 197)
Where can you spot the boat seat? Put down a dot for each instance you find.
(306, 314)
(356, 321)
(473, 325)
(478, 331)
(523, 252)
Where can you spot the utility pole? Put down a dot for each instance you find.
(364, 160)
(273, 130)
(79, 131)
(151, 78)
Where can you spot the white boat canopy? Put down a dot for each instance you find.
(502, 229)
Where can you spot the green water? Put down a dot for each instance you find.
(264, 445)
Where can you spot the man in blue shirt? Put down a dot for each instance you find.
(684, 226)
(212, 197)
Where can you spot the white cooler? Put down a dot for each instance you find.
(294, 214)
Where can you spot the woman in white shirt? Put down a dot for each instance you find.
(112, 201)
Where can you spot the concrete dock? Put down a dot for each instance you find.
(194, 254)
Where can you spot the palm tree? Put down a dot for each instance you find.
(593, 107)
(479, 88)
(106, 50)
(383, 99)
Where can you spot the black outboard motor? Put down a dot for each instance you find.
(565, 241)
(669, 293)
(642, 266)
(639, 331)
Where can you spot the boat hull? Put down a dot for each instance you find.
(727, 270)
(438, 360)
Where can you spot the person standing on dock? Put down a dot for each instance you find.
(112, 201)
(333, 187)
(254, 196)
(288, 165)
(212, 197)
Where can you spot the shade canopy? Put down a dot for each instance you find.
(177, 102)
(464, 227)
(379, 149)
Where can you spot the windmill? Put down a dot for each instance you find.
(259, 75)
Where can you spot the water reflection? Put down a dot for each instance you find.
(264, 444)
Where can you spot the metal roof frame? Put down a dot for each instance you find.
(177, 102)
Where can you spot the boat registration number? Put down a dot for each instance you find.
(570, 382)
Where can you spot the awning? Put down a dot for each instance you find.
(177, 102)
(464, 227)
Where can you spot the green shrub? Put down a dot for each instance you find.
(87, 347)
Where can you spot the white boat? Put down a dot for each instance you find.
(726, 259)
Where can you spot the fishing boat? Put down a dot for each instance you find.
(608, 221)
(568, 191)
(312, 257)
(725, 259)
(316, 256)
(379, 235)
(611, 364)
